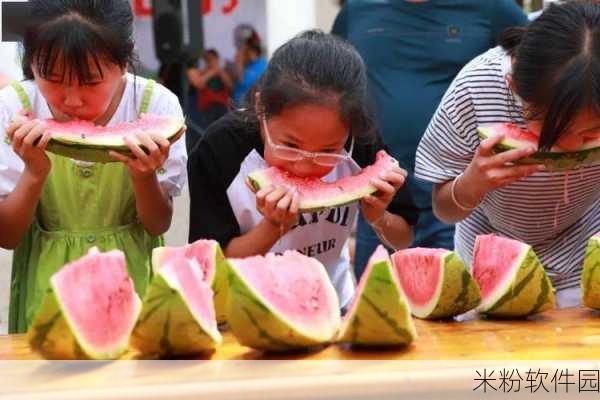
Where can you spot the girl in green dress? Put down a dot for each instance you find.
(53, 209)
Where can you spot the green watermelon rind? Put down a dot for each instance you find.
(590, 275)
(74, 147)
(166, 326)
(553, 161)
(382, 316)
(527, 290)
(218, 283)
(256, 324)
(54, 336)
(258, 180)
(457, 291)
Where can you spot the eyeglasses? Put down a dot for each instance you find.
(291, 154)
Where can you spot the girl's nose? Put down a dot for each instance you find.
(72, 99)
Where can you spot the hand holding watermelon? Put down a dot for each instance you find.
(489, 171)
(279, 206)
(148, 156)
(29, 138)
(387, 184)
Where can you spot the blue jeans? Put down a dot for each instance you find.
(429, 232)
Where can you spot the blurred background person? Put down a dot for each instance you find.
(413, 49)
(249, 66)
(213, 87)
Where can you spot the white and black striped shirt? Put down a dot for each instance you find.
(555, 212)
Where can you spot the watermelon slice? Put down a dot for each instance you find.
(512, 279)
(281, 302)
(82, 140)
(379, 314)
(590, 276)
(208, 254)
(178, 315)
(89, 311)
(317, 195)
(557, 159)
(436, 282)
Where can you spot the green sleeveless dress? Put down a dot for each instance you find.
(82, 205)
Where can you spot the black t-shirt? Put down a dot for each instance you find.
(216, 161)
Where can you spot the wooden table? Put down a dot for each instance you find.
(569, 335)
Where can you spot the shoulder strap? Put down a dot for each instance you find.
(147, 96)
(22, 94)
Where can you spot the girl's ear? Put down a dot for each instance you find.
(510, 82)
(258, 103)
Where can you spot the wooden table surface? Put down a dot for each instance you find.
(567, 334)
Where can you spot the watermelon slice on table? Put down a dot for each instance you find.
(281, 302)
(436, 282)
(511, 278)
(590, 276)
(557, 159)
(210, 258)
(89, 310)
(379, 314)
(178, 314)
(82, 140)
(316, 194)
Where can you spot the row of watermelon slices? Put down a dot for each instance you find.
(281, 302)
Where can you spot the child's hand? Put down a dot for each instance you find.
(279, 206)
(29, 139)
(490, 171)
(387, 184)
(145, 163)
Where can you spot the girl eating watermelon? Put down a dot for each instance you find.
(308, 116)
(53, 209)
(544, 78)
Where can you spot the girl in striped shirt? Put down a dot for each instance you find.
(545, 78)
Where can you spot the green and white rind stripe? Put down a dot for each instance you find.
(555, 161)
(166, 325)
(381, 317)
(53, 336)
(526, 291)
(456, 293)
(257, 324)
(590, 276)
(258, 180)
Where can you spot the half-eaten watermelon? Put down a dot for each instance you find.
(178, 315)
(436, 282)
(82, 140)
(316, 194)
(208, 254)
(590, 276)
(557, 159)
(89, 310)
(379, 314)
(281, 302)
(511, 278)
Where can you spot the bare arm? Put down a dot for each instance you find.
(257, 241)
(28, 139)
(394, 231)
(154, 208)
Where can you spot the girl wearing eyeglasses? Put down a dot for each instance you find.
(308, 116)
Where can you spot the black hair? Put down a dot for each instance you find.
(556, 65)
(211, 52)
(316, 68)
(72, 31)
(254, 43)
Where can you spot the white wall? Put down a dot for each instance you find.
(286, 18)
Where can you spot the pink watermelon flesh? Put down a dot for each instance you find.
(379, 255)
(80, 131)
(292, 284)
(316, 190)
(419, 273)
(203, 251)
(197, 294)
(494, 259)
(98, 297)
